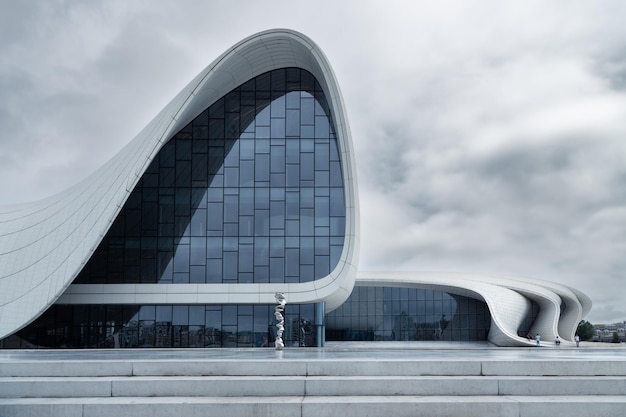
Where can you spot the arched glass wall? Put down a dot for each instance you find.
(251, 191)
(393, 313)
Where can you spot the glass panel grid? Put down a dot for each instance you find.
(261, 162)
(403, 314)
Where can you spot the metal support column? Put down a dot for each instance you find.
(320, 313)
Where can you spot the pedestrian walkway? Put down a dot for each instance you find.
(347, 379)
(338, 350)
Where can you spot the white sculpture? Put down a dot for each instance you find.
(278, 313)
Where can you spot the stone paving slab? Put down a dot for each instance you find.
(256, 386)
(358, 406)
(423, 351)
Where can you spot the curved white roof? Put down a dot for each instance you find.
(45, 244)
(508, 300)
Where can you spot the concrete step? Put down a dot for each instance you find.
(237, 383)
(318, 406)
(355, 367)
(256, 386)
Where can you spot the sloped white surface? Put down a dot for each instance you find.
(45, 244)
(508, 300)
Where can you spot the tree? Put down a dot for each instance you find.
(585, 330)
(615, 337)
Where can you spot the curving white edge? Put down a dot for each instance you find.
(508, 300)
(45, 244)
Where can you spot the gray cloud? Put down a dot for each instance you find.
(489, 136)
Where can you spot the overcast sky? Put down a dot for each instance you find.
(490, 136)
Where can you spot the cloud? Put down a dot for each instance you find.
(489, 136)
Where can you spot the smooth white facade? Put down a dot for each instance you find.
(44, 245)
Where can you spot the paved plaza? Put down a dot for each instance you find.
(358, 351)
(349, 379)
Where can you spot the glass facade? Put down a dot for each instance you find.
(394, 313)
(251, 191)
(165, 326)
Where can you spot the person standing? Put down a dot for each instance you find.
(577, 340)
(538, 339)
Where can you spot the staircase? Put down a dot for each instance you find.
(294, 385)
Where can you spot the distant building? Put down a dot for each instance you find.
(243, 186)
(606, 332)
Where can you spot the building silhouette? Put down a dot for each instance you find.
(244, 185)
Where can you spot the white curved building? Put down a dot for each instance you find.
(244, 185)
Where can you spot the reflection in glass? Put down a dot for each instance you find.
(402, 314)
(261, 162)
(163, 326)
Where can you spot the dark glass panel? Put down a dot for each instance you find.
(263, 82)
(167, 155)
(198, 253)
(263, 119)
(337, 203)
(307, 132)
(199, 171)
(307, 198)
(246, 149)
(231, 229)
(277, 159)
(307, 146)
(322, 156)
(277, 269)
(292, 262)
(214, 270)
(322, 179)
(307, 250)
(322, 211)
(292, 123)
(277, 215)
(246, 173)
(132, 225)
(229, 266)
(292, 228)
(292, 201)
(262, 168)
(261, 251)
(149, 216)
(262, 198)
(246, 258)
(307, 167)
(183, 150)
(277, 128)
(293, 175)
(261, 222)
(150, 180)
(307, 222)
(181, 195)
(307, 273)
(307, 111)
(335, 254)
(322, 245)
(279, 80)
(292, 155)
(232, 102)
